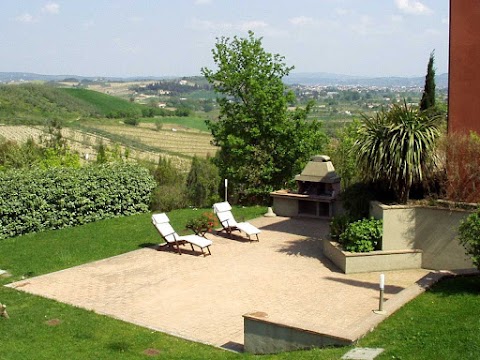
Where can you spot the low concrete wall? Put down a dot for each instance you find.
(398, 225)
(381, 260)
(283, 206)
(430, 229)
(264, 337)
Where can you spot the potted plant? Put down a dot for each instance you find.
(203, 223)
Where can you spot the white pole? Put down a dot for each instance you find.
(380, 310)
(226, 189)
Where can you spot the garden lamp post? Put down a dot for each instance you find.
(380, 310)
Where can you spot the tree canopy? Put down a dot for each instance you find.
(262, 143)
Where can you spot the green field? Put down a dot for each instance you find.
(103, 103)
(191, 122)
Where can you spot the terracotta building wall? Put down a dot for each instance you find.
(464, 66)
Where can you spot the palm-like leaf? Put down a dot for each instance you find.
(397, 147)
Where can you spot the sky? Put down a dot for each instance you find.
(175, 37)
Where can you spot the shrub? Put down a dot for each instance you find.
(131, 121)
(462, 167)
(397, 147)
(158, 125)
(356, 200)
(469, 237)
(362, 235)
(203, 183)
(166, 173)
(54, 198)
(168, 197)
(106, 154)
(338, 225)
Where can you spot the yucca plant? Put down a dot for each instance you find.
(397, 147)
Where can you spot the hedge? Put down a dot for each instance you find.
(40, 199)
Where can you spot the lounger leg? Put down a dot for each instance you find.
(178, 248)
(192, 247)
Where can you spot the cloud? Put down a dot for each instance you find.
(25, 18)
(413, 7)
(252, 25)
(202, 2)
(301, 21)
(227, 26)
(51, 8)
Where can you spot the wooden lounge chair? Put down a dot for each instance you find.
(229, 224)
(173, 240)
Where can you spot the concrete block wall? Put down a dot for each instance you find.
(430, 229)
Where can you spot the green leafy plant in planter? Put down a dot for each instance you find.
(362, 235)
(469, 237)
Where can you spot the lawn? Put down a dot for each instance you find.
(441, 324)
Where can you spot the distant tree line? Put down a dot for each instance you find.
(174, 88)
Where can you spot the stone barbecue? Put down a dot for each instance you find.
(317, 188)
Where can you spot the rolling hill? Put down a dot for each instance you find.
(33, 103)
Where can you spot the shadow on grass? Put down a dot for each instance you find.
(149, 245)
(468, 284)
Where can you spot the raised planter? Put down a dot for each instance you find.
(381, 260)
(432, 229)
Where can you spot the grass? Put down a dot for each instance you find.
(103, 103)
(443, 323)
(440, 324)
(190, 122)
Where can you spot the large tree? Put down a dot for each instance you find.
(428, 96)
(262, 143)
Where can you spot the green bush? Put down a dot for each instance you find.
(469, 237)
(338, 225)
(166, 173)
(168, 197)
(132, 121)
(54, 198)
(362, 235)
(356, 200)
(203, 183)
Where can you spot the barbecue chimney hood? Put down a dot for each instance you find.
(319, 169)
